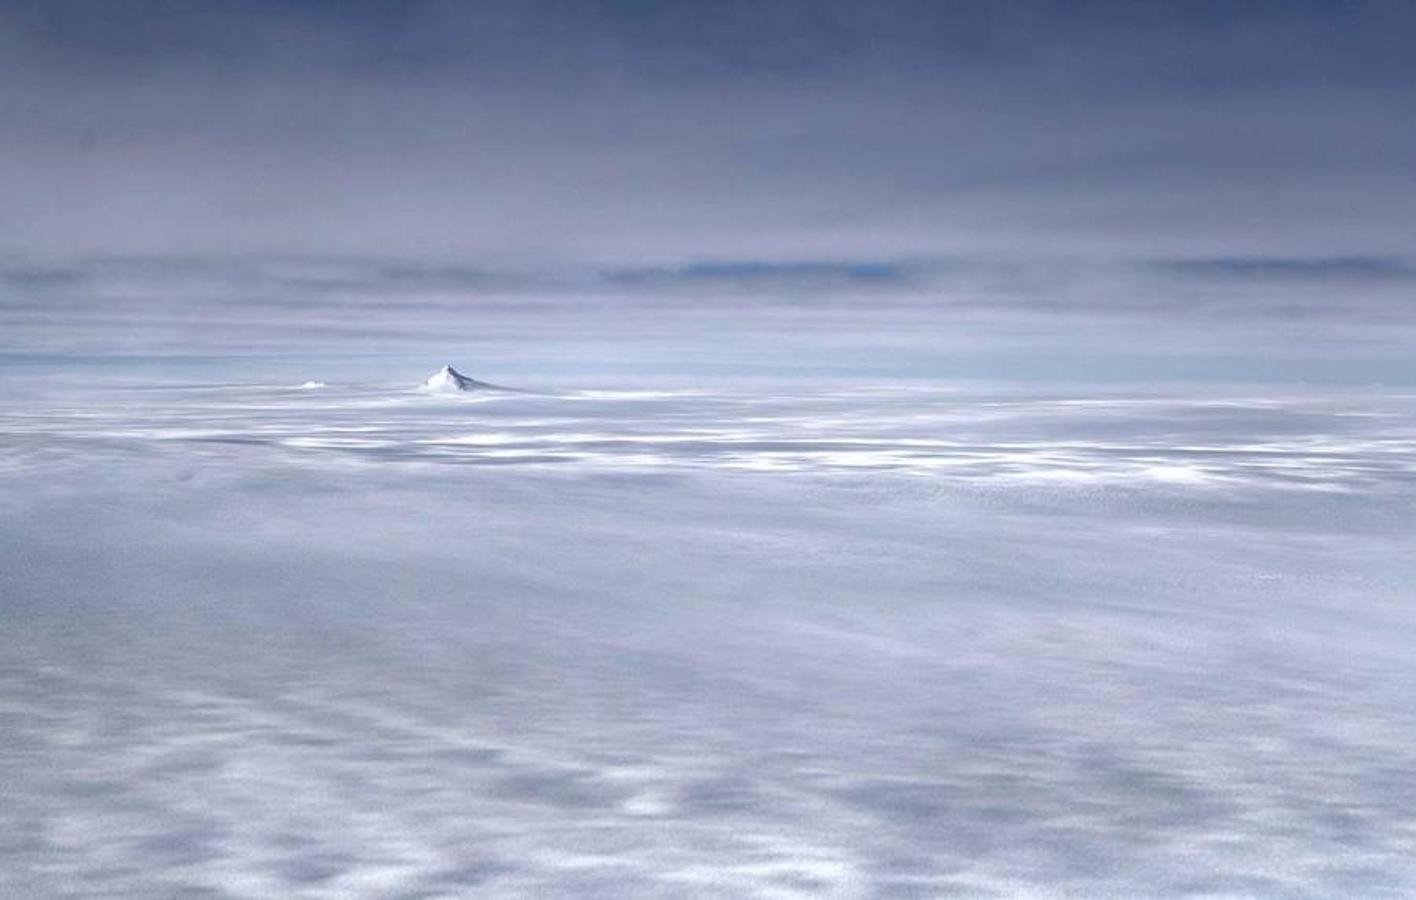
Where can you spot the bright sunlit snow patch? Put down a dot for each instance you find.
(1124, 442)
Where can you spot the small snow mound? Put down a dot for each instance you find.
(449, 379)
(312, 385)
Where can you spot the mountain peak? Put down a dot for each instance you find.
(449, 379)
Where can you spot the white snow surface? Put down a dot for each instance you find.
(791, 641)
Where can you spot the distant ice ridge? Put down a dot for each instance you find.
(312, 385)
(449, 379)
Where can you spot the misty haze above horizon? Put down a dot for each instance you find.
(1134, 190)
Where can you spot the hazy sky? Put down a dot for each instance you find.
(976, 173)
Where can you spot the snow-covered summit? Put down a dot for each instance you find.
(449, 379)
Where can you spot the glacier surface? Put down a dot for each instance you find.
(730, 640)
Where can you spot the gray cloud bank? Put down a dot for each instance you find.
(632, 133)
(1039, 176)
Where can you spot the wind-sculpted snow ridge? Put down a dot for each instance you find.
(788, 642)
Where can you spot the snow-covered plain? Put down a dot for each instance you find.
(738, 640)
